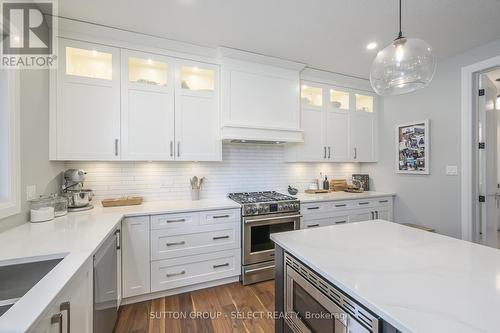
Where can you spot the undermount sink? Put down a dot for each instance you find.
(18, 279)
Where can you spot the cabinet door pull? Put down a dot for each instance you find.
(363, 203)
(171, 149)
(221, 265)
(221, 216)
(178, 220)
(324, 152)
(176, 243)
(341, 222)
(383, 201)
(116, 147)
(313, 225)
(376, 215)
(176, 274)
(355, 153)
(118, 239)
(57, 319)
(65, 306)
(311, 208)
(373, 215)
(178, 149)
(340, 205)
(329, 152)
(220, 237)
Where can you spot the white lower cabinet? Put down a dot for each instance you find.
(72, 310)
(168, 251)
(135, 256)
(325, 213)
(184, 271)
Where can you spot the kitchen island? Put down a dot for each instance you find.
(386, 277)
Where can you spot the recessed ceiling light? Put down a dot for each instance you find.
(371, 46)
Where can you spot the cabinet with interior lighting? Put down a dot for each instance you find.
(85, 123)
(120, 104)
(339, 125)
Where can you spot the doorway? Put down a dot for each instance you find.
(487, 222)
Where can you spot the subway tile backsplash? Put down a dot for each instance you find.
(244, 168)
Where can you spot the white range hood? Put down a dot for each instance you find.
(260, 98)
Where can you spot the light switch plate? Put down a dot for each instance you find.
(30, 192)
(452, 170)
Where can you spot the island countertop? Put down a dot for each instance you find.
(415, 280)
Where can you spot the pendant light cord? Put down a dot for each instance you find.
(400, 35)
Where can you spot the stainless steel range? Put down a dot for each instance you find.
(263, 213)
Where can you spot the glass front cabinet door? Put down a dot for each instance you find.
(87, 113)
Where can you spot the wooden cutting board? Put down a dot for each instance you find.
(125, 201)
(316, 191)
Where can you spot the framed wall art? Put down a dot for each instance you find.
(413, 148)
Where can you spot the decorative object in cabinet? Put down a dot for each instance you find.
(339, 99)
(197, 79)
(147, 71)
(364, 103)
(311, 96)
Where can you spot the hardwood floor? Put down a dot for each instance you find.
(227, 308)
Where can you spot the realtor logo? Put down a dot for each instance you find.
(28, 34)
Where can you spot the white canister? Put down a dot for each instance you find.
(42, 209)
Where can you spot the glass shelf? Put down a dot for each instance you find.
(89, 63)
(311, 96)
(197, 79)
(147, 71)
(339, 99)
(364, 103)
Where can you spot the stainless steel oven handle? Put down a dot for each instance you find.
(259, 269)
(274, 218)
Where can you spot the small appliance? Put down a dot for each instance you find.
(78, 197)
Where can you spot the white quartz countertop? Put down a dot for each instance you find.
(74, 237)
(334, 196)
(416, 280)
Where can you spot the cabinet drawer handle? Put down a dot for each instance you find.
(340, 222)
(221, 216)
(363, 203)
(176, 274)
(383, 201)
(176, 243)
(221, 265)
(220, 237)
(340, 205)
(311, 208)
(65, 306)
(57, 319)
(178, 220)
(313, 225)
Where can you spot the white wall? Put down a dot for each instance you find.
(432, 200)
(244, 168)
(35, 166)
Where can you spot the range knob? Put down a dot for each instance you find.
(286, 207)
(248, 210)
(261, 209)
(254, 210)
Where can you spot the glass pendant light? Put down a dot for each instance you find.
(406, 65)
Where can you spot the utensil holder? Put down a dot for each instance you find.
(195, 194)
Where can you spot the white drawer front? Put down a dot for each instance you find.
(386, 201)
(220, 216)
(341, 205)
(315, 208)
(179, 272)
(315, 223)
(171, 221)
(165, 244)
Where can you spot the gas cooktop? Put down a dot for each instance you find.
(260, 203)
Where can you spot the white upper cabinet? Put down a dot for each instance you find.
(260, 98)
(339, 125)
(147, 107)
(86, 120)
(119, 104)
(197, 124)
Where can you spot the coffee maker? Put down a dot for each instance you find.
(79, 198)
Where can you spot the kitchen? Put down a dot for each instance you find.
(181, 153)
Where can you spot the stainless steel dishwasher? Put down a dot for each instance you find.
(106, 284)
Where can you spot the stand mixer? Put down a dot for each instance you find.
(79, 199)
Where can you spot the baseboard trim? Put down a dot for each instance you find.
(180, 290)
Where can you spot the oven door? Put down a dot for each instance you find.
(257, 244)
(309, 310)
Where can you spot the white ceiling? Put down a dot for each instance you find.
(326, 34)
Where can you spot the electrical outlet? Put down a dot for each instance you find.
(30, 192)
(452, 170)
